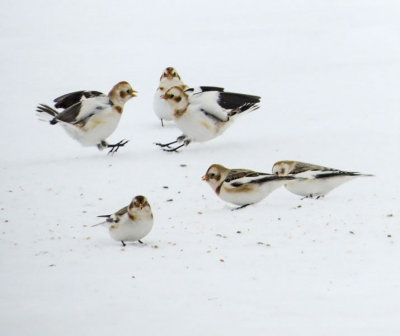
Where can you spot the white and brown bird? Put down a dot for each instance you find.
(205, 113)
(168, 79)
(313, 181)
(90, 120)
(131, 223)
(242, 186)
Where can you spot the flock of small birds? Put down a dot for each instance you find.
(201, 113)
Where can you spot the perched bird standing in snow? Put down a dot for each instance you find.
(242, 186)
(92, 120)
(131, 223)
(314, 181)
(205, 113)
(168, 79)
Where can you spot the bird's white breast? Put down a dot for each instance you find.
(96, 128)
(128, 230)
(199, 126)
(316, 187)
(248, 193)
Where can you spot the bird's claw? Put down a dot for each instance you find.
(162, 145)
(115, 147)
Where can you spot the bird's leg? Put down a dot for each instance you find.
(123, 243)
(115, 147)
(140, 241)
(103, 144)
(162, 123)
(175, 149)
(178, 139)
(241, 207)
(167, 144)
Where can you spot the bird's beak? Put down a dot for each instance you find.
(205, 178)
(164, 96)
(169, 76)
(133, 93)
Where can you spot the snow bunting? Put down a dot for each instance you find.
(168, 79)
(91, 121)
(131, 223)
(315, 181)
(202, 114)
(242, 186)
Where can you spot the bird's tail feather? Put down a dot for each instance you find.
(46, 113)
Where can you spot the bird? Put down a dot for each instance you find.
(92, 120)
(205, 113)
(314, 181)
(168, 79)
(131, 223)
(242, 186)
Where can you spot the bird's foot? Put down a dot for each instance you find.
(168, 145)
(175, 149)
(115, 147)
(241, 207)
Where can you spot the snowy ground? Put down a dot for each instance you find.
(328, 74)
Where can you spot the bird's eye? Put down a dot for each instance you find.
(212, 175)
(129, 91)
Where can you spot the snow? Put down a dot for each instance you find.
(328, 74)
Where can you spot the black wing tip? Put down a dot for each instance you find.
(342, 173)
(43, 108)
(211, 88)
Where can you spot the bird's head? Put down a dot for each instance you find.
(176, 97)
(215, 175)
(121, 93)
(282, 168)
(170, 73)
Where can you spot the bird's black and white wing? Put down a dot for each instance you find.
(69, 99)
(221, 105)
(78, 112)
(201, 89)
(114, 218)
(240, 177)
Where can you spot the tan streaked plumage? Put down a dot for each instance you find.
(132, 222)
(205, 113)
(313, 180)
(242, 186)
(91, 121)
(168, 79)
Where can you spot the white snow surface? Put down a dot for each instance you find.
(328, 74)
